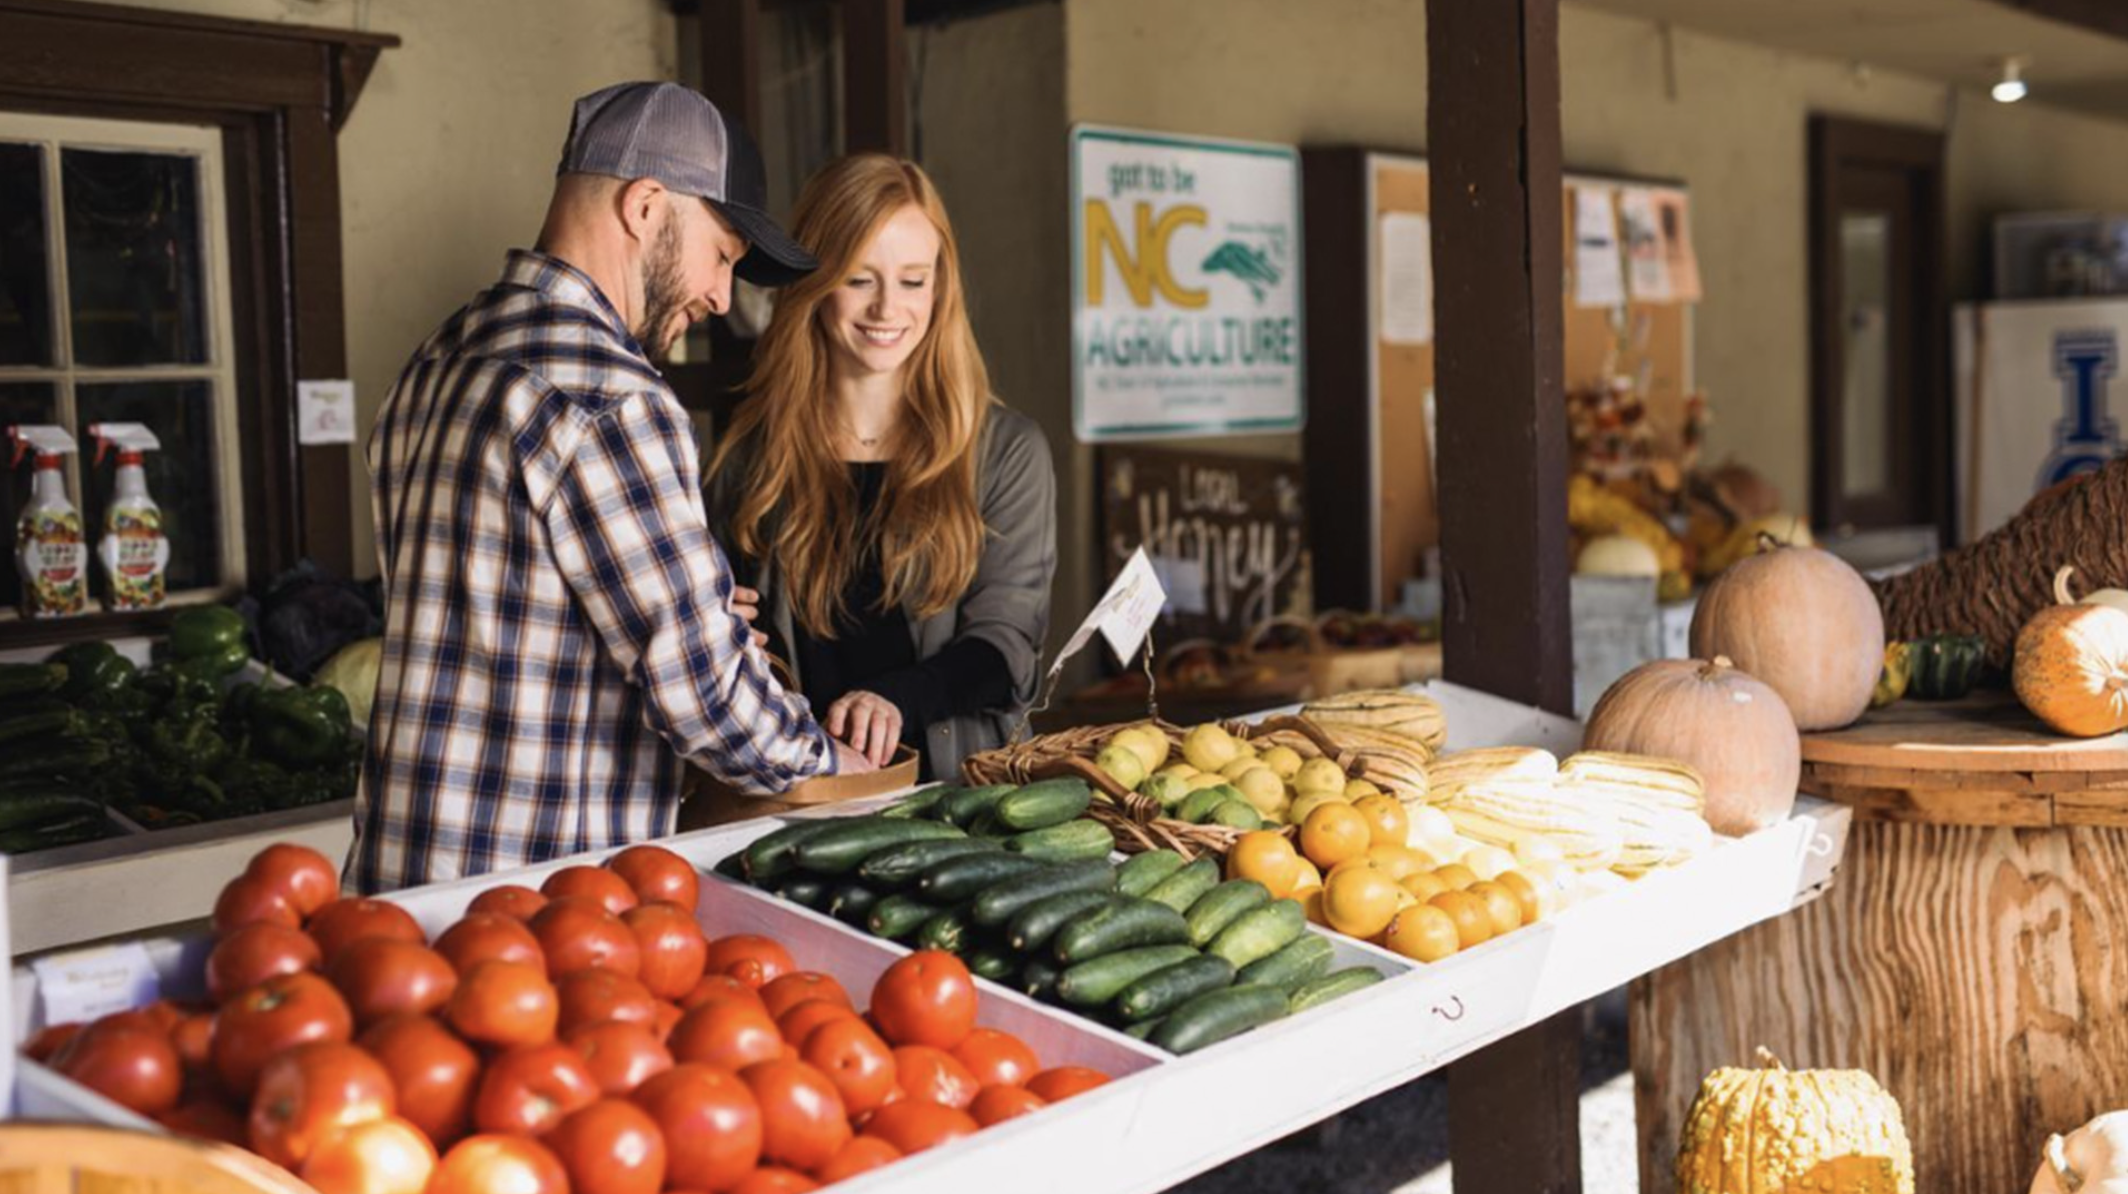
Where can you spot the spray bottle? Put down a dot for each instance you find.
(133, 549)
(48, 542)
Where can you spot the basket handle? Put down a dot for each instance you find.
(1303, 726)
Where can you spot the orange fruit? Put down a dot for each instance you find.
(1474, 921)
(1456, 875)
(1398, 861)
(1311, 903)
(1309, 877)
(1501, 905)
(1334, 833)
(1385, 819)
(1525, 893)
(1424, 933)
(1359, 901)
(1266, 856)
(1425, 887)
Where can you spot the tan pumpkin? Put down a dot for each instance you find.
(2071, 665)
(2117, 598)
(1804, 622)
(1726, 725)
(2091, 1160)
(1773, 1130)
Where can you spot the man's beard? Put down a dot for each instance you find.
(663, 292)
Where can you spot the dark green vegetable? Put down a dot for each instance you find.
(1188, 885)
(1043, 804)
(213, 634)
(1216, 1015)
(1069, 842)
(837, 851)
(1945, 666)
(1332, 986)
(1163, 991)
(1000, 903)
(897, 917)
(901, 864)
(919, 804)
(1127, 922)
(965, 805)
(1300, 961)
(946, 930)
(1093, 983)
(775, 852)
(1031, 927)
(1222, 906)
(958, 879)
(1142, 872)
(95, 672)
(30, 679)
(300, 727)
(990, 961)
(28, 809)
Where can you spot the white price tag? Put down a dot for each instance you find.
(96, 982)
(1124, 614)
(325, 412)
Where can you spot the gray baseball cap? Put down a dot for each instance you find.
(675, 135)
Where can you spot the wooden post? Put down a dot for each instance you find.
(730, 33)
(1492, 110)
(875, 98)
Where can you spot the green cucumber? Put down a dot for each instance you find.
(991, 961)
(839, 850)
(773, 853)
(1093, 983)
(1143, 871)
(1188, 885)
(947, 930)
(851, 903)
(1031, 927)
(1045, 803)
(25, 809)
(1331, 986)
(1235, 814)
(897, 917)
(958, 879)
(1302, 960)
(1162, 991)
(1216, 1015)
(1200, 803)
(731, 866)
(1260, 932)
(806, 891)
(1221, 906)
(897, 865)
(965, 805)
(55, 834)
(919, 804)
(1143, 1030)
(997, 904)
(1069, 842)
(1038, 978)
(1126, 923)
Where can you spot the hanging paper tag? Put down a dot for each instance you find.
(325, 412)
(1124, 614)
(96, 982)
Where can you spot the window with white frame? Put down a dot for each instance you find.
(114, 307)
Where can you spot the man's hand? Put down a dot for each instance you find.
(746, 603)
(867, 721)
(848, 761)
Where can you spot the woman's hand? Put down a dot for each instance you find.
(746, 603)
(867, 721)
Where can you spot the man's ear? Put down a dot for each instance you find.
(643, 207)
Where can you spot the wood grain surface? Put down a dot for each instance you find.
(1988, 731)
(1977, 972)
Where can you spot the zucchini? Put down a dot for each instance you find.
(897, 917)
(1154, 996)
(1303, 960)
(919, 804)
(731, 866)
(991, 961)
(986, 826)
(851, 903)
(1038, 978)
(1221, 906)
(1045, 803)
(837, 851)
(966, 804)
(1260, 932)
(1124, 923)
(1332, 986)
(1188, 885)
(946, 930)
(1093, 983)
(897, 865)
(1031, 927)
(1216, 1015)
(997, 904)
(806, 891)
(58, 722)
(1069, 842)
(958, 879)
(24, 810)
(1139, 875)
(771, 854)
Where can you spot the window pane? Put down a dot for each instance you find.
(1865, 395)
(182, 478)
(25, 277)
(133, 257)
(20, 402)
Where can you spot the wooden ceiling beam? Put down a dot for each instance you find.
(2108, 17)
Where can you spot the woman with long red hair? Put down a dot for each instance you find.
(898, 521)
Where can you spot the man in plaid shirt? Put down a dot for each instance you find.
(561, 631)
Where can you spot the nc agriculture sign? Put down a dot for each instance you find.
(1186, 286)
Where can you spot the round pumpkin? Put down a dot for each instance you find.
(1773, 1130)
(1804, 622)
(1726, 725)
(2091, 1160)
(2071, 666)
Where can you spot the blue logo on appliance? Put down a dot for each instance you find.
(2085, 437)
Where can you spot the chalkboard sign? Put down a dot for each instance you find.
(1227, 534)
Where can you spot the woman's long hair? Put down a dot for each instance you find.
(798, 505)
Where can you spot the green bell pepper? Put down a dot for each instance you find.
(300, 727)
(209, 639)
(95, 671)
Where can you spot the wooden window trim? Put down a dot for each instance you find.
(279, 94)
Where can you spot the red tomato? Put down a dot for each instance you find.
(382, 1156)
(657, 873)
(996, 1104)
(803, 1121)
(194, 1040)
(997, 1058)
(861, 1155)
(528, 1091)
(580, 934)
(755, 961)
(591, 882)
(595, 996)
(489, 937)
(253, 899)
(782, 994)
(346, 921)
(513, 900)
(1060, 1083)
(854, 1058)
(721, 988)
(499, 1165)
(250, 955)
(673, 948)
(207, 1119)
(621, 1056)
(46, 1045)
(307, 878)
(311, 1093)
(434, 1073)
(774, 1179)
(269, 1020)
(731, 1035)
(611, 1147)
(934, 1076)
(127, 1063)
(798, 1023)
(711, 1122)
(913, 1125)
(927, 998)
(384, 976)
(504, 1003)
(665, 1017)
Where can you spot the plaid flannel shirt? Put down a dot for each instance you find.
(558, 619)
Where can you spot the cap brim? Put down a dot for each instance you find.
(772, 257)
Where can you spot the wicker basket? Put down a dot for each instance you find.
(1136, 819)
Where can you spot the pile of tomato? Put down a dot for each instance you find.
(584, 1038)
